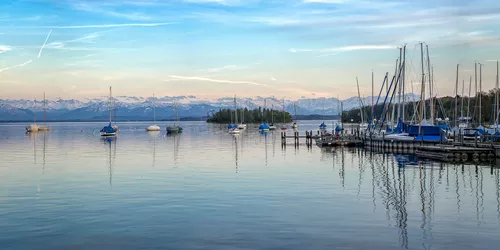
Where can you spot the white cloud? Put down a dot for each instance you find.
(4, 48)
(324, 1)
(227, 67)
(197, 78)
(97, 8)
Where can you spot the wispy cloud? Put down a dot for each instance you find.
(4, 48)
(223, 68)
(336, 50)
(197, 78)
(97, 8)
(90, 26)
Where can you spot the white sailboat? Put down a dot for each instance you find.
(272, 126)
(153, 127)
(44, 127)
(33, 127)
(295, 125)
(363, 126)
(235, 130)
(242, 125)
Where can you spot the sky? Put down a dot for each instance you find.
(215, 48)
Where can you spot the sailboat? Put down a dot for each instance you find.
(44, 127)
(295, 125)
(283, 127)
(114, 110)
(153, 127)
(33, 127)
(109, 130)
(242, 125)
(235, 129)
(264, 127)
(175, 128)
(271, 126)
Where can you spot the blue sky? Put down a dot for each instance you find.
(214, 48)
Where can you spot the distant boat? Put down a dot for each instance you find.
(153, 127)
(322, 125)
(271, 126)
(109, 130)
(33, 127)
(284, 127)
(44, 127)
(295, 125)
(264, 127)
(174, 129)
(114, 110)
(235, 130)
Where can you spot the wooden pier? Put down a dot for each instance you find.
(296, 138)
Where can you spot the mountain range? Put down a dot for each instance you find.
(140, 108)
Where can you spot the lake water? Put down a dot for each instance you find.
(206, 189)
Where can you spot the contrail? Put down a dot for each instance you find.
(46, 39)
(16, 66)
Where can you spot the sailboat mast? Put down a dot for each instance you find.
(373, 104)
(34, 112)
(496, 98)
(235, 111)
(360, 102)
(272, 113)
(284, 110)
(462, 100)
(44, 110)
(154, 108)
(422, 91)
(399, 83)
(468, 100)
(475, 86)
(431, 97)
(480, 89)
(394, 106)
(109, 104)
(456, 96)
(403, 83)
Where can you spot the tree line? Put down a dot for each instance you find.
(250, 116)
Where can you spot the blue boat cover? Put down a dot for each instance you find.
(108, 129)
(323, 125)
(230, 126)
(338, 128)
(263, 126)
(412, 130)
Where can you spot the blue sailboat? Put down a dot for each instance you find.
(109, 130)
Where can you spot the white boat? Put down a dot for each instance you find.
(234, 131)
(32, 128)
(295, 125)
(153, 127)
(44, 127)
(399, 137)
(271, 127)
(242, 126)
(363, 126)
(284, 127)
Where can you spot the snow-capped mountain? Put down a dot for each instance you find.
(140, 108)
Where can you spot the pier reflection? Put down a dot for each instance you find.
(404, 185)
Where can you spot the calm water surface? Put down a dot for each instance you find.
(206, 189)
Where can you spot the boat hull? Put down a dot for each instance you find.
(153, 128)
